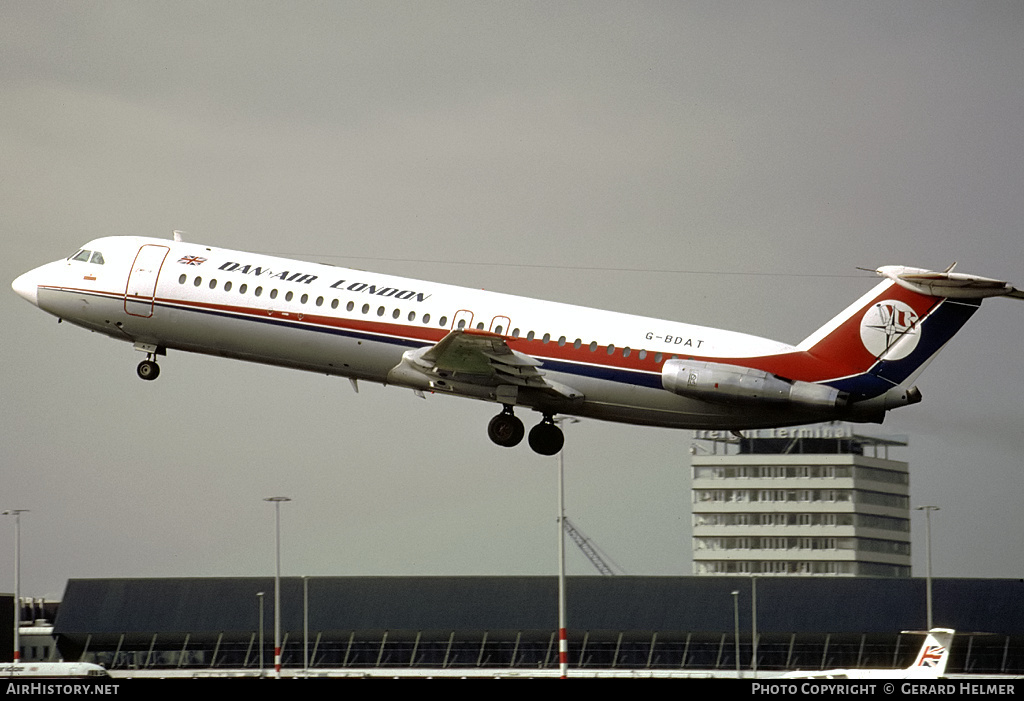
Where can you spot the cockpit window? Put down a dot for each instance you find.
(88, 256)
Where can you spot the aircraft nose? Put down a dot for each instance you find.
(27, 286)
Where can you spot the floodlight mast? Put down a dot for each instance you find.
(277, 583)
(16, 513)
(928, 509)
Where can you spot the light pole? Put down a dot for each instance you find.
(753, 625)
(928, 552)
(259, 597)
(736, 630)
(305, 624)
(16, 513)
(563, 639)
(277, 584)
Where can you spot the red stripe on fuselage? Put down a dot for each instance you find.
(840, 354)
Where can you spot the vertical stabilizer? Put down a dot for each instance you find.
(934, 654)
(886, 338)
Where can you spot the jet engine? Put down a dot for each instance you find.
(732, 384)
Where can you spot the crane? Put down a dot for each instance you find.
(599, 559)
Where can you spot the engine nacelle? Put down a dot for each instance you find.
(732, 384)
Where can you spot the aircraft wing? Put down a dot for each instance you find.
(482, 354)
(473, 358)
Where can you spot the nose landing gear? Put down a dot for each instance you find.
(148, 369)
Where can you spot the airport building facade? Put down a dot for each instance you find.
(354, 624)
(816, 500)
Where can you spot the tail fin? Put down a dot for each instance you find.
(934, 654)
(878, 346)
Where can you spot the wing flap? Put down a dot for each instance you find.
(467, 360)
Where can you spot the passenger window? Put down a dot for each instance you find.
(462, 323)
(366, 309)
(273, 294)
(443, 321)
(227, 286)
(213, 284)
(242, 289)
(288, 296)
(561, 340)
(182, 278)
(395, 314)
(426, 318)
(412, 316)
(198, 281)
(380, 311)
(547, 338)
(577, 343)
(259, 291)
(611, 348)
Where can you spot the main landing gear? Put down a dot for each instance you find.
(507, 430)
(148, 369)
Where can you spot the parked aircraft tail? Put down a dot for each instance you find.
(930, 662)
(934, 654)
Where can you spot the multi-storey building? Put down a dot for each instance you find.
(809, 500)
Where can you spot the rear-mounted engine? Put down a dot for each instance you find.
(732, 384)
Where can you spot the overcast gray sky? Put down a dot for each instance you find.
(722, 163)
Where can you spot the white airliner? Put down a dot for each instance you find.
(515, 351)
(51, 670)
(930, 662)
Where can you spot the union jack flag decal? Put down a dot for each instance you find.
(191, 260)
(931, 656)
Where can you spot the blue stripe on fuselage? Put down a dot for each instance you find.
(601, 372)
(948, 317)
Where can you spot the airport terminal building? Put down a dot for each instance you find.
(510, 623)
(819, 500)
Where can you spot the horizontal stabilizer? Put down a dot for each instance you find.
(948, 284)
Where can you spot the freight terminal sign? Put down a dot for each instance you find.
(817, 431)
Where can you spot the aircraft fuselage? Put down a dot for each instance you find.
(164, 295)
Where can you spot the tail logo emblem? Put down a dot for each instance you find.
(890, 327)
(931, 656)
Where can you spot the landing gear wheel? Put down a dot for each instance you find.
(148, 370)
(546, 438)
(506, 429)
